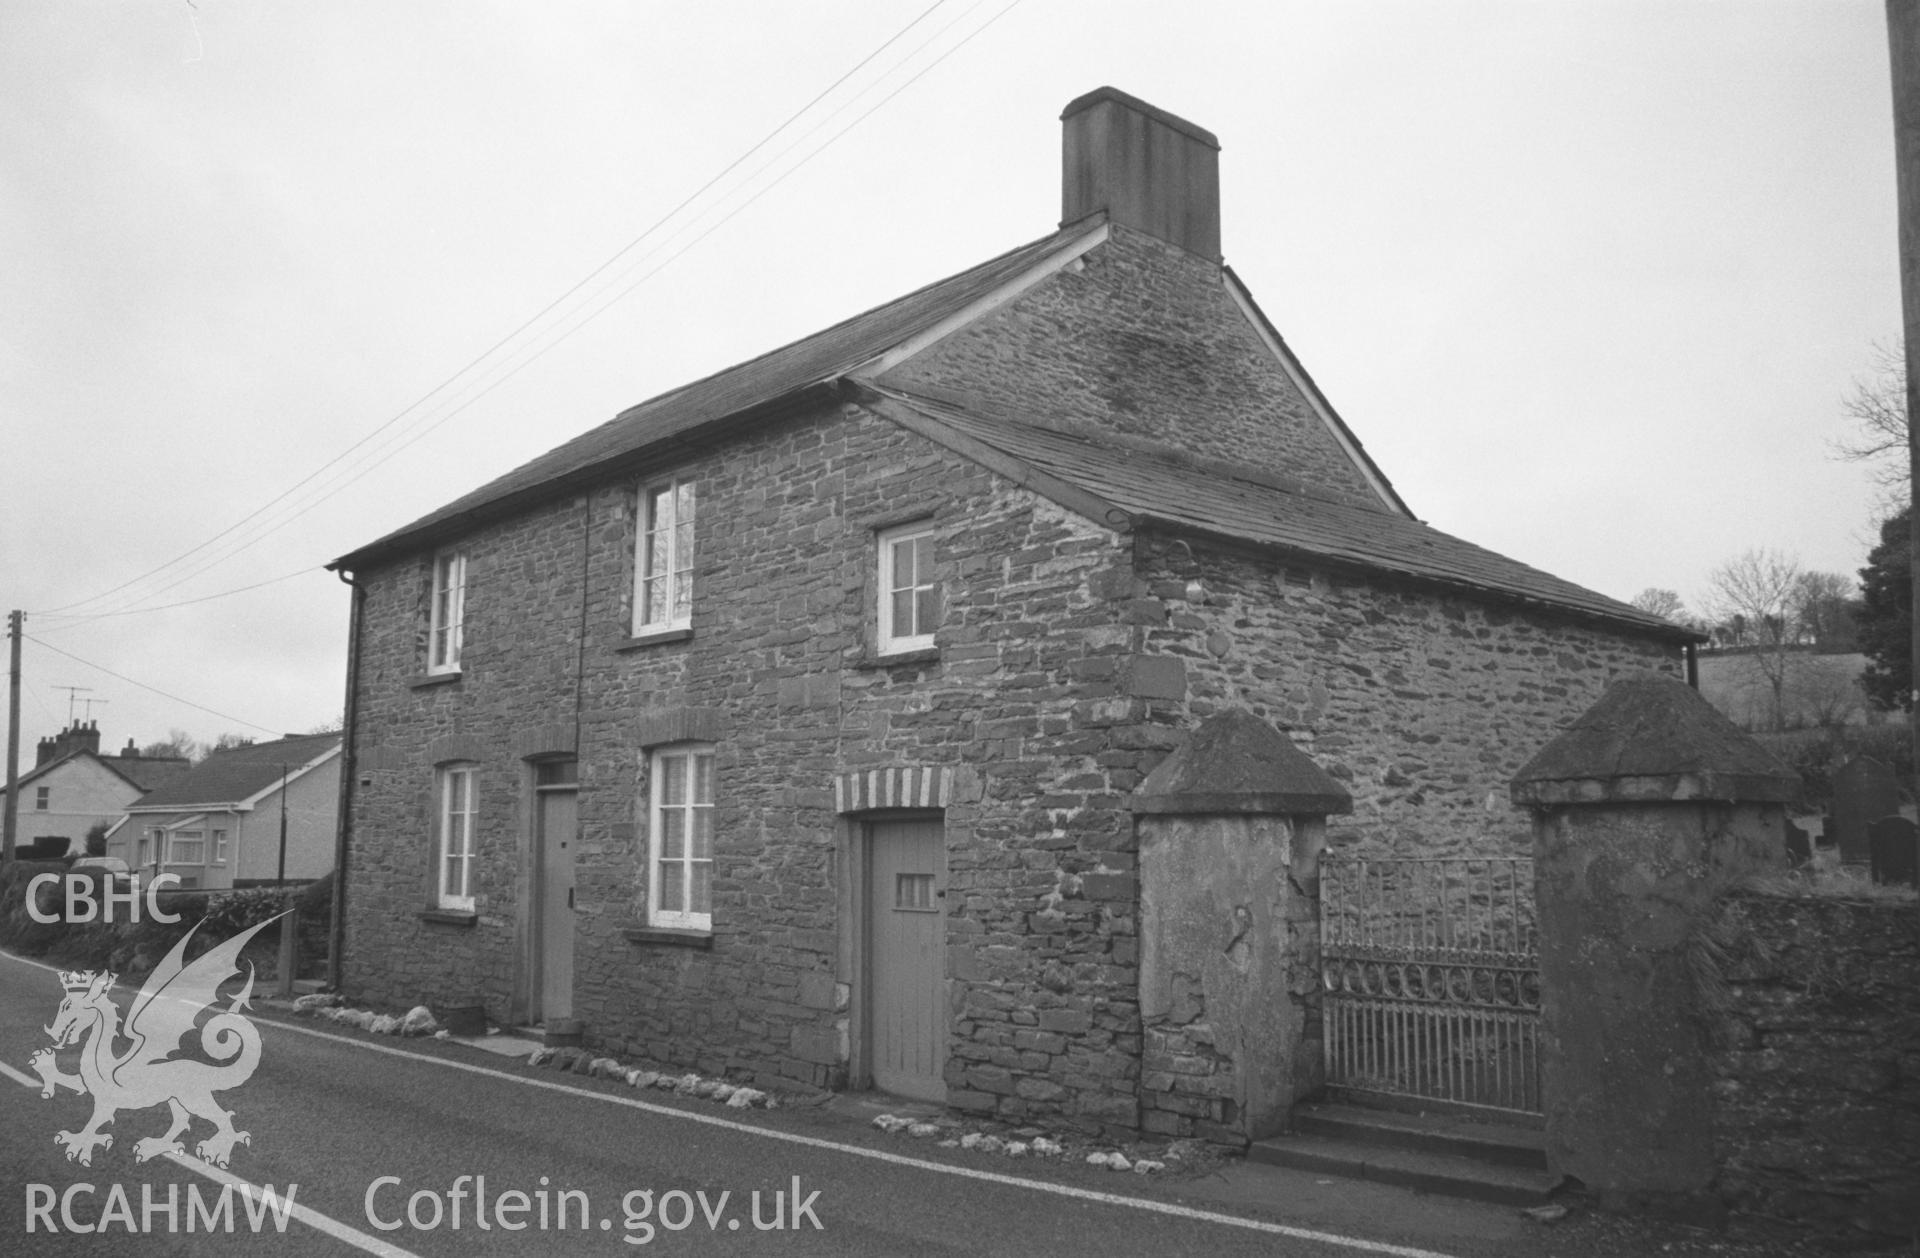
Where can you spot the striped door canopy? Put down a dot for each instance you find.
(913, 787)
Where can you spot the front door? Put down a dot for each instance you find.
(906, 964)
(556, 809)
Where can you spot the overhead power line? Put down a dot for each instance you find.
(265, 729)
(88, 617)
(352, 472)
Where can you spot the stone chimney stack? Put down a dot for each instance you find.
(1147, 169)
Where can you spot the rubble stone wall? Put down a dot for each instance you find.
(1036, 703)
(1423, 704)
(1141, 339)
(1816, 1072)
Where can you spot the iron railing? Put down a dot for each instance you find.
(1431, 978)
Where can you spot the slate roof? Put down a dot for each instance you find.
(228, 777)
(1246, 506)
(147, 772)
(758, 382)
(1103, 474)
(143, 773)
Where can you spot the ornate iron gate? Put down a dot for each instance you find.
(1432, 980)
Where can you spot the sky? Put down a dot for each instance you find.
(1590, 281)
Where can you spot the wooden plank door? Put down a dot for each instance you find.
(906, 961)
(556, 814)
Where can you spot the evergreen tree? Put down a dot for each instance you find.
(1886, 617)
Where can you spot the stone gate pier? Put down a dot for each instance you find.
(1230, 829)
(1644, 811)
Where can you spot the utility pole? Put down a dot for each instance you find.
(1903, 47)
(12, 824)
(290, 923)
(280, 880)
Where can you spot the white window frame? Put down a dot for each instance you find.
(663, 556)
(447, 614)
(668, 796)
(456, 812)
(197, 838)
(219, 847)
(889, 582)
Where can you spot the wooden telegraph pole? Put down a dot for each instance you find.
(12, 823)
(1903, 46)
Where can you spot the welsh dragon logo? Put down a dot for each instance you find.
(148, 1073)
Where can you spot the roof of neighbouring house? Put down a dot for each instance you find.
(149, 773)
(1170, 488)
(143, 773)
(236, 775)
(737, 391)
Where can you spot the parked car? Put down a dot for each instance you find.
(115, 867)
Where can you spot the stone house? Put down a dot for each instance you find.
(72, 788)
(220, 824)
(786, 724)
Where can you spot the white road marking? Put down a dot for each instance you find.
(306, 1214)
(312, 1218)
(854, 1150)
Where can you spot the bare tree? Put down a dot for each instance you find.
(1759, 592)
(1665, 604)
(177, 743)
(1878, 407)
(1826, 603)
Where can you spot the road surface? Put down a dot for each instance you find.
(433, 1148)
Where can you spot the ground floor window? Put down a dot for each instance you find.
(680, 837)
(457, 808)
(187, 847)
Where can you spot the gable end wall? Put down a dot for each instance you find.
(1141, 339)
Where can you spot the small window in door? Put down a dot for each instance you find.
(913, 891)
(556, 773)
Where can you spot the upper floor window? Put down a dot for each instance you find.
(664, 564)
(680, 837)
(42, 798)
(456, 809)
(449, 612)
(909, 608)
